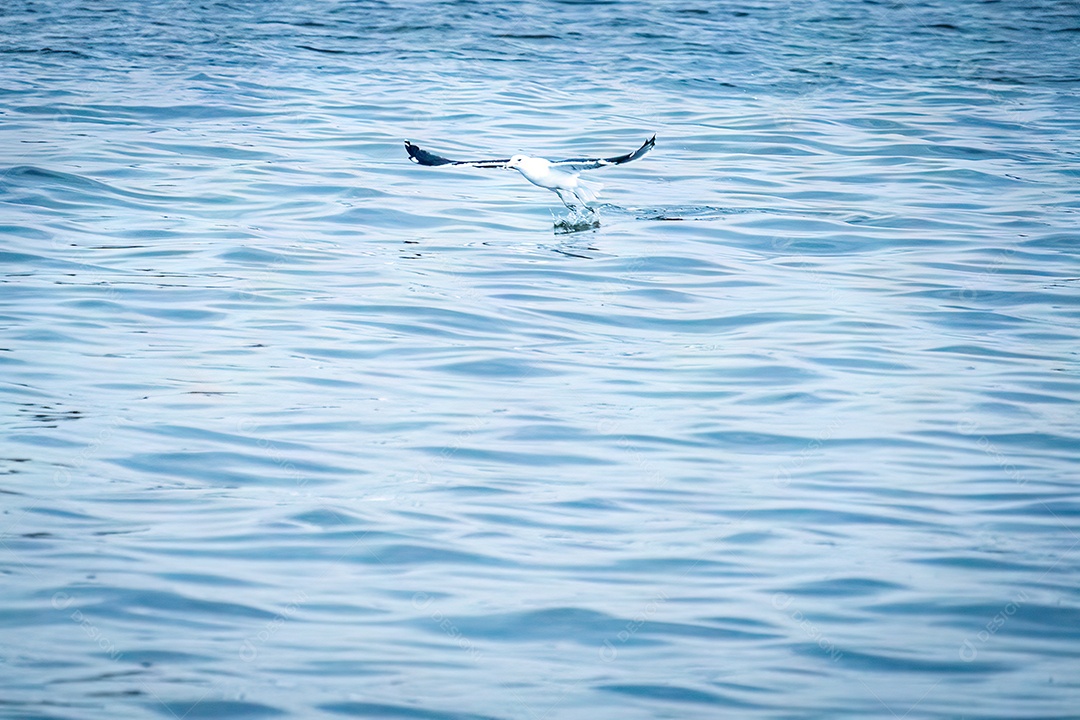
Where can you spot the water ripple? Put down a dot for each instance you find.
(298, 428)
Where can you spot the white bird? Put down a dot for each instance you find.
(559, 176)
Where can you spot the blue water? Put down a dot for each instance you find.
(295, 428)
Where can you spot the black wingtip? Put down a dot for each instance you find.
(645, 147)
(415, 153)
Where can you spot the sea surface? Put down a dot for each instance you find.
(291, 427)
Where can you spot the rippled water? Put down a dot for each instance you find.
(293, 427)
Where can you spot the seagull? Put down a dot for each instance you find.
(559, 176)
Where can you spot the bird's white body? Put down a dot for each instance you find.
(566, 185)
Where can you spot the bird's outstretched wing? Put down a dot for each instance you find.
(590, 163)
(423, 157)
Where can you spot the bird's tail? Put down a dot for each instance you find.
(586, 190)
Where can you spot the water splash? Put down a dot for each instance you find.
(578, 220)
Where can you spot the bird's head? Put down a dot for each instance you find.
(516, 161)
